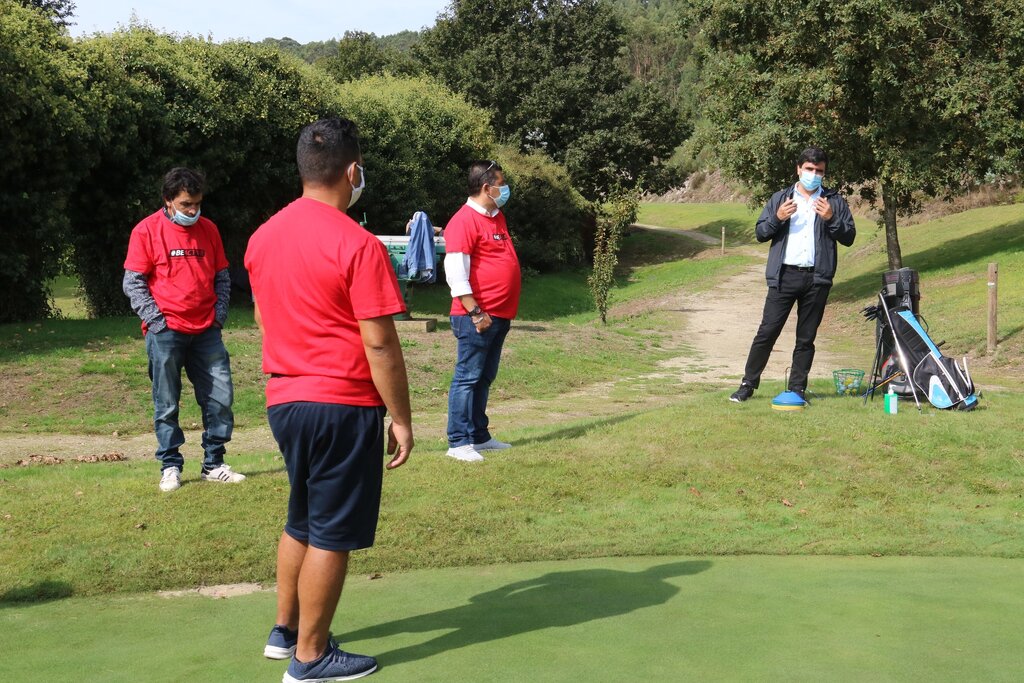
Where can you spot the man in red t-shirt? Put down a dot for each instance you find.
(325, 293)
(482, 270)
(176, 276)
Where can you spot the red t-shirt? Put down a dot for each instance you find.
(180, 265)
(493, 265)
(315, 273)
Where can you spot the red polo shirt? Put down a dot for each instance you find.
(180, 265)
(494, 271)
(315, 273)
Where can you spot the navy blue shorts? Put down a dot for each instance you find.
(335, 460)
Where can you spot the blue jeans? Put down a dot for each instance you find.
(206, 362)
(476, 366)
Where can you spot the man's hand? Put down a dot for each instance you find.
(400, 444)
(787, 209)
(481, 322)
(823, 208)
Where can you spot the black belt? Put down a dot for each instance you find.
(802, 269)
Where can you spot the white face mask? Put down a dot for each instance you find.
(182, 219)
(356, 191)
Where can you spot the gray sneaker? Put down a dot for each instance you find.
(333, 665)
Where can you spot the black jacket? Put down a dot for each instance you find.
(839, 229)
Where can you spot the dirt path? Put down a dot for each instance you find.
(713, 332)
(719, 326)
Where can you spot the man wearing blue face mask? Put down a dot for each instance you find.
(176, 276)
(482, 269)
(803, 222)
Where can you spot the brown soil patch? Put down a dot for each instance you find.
(227, 590)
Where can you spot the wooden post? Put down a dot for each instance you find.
(993, 287)
(723, 240)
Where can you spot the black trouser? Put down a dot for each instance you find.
(795, 286)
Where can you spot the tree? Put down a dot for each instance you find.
(550, 71)
(362, 54)
(58, 11)
(913, 97)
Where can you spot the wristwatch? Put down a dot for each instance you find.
(476, 315)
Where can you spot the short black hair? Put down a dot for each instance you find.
(181, 178)
(482, 172)
(326, 149)
(815, 155)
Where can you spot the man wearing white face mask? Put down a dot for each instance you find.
(176, 276)
(482, 269)
(803, 222)
(325, 293)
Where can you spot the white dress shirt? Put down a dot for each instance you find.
(800, 243)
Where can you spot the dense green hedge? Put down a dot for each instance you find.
(418, 139)
(90, 127)
(551, 222)
(45, 122)
(232, 111)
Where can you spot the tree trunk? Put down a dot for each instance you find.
(892, 239)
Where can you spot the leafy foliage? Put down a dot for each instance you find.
(232, 111)
(46, 119)
(915, 98)
(613, 218)
(551, 222)
(417, 140)
(362, 54)
(549, 69)
(58, 11)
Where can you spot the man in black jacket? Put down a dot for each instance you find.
(803, 222)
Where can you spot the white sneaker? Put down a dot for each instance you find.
(492, 444)
(465, 454)
(224, 475)
(170, 479)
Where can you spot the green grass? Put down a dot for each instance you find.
(737, 219)
(647, 619)
(67, 298)
(698, 476)
(837, 543)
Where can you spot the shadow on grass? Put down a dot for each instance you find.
(576, 431)
(553, 600)
(42, 591)
(1002, 238)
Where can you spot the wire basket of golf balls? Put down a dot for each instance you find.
(847, 381)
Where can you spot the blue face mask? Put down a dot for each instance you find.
(184, 220)
(810, 180)
(503, 194)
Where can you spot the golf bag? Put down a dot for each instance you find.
(940, 379)
(900, 288)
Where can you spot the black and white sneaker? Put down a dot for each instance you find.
(223, 474)
(742, 394)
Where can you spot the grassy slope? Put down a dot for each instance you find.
(737, 219)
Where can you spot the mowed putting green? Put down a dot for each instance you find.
(646, 619)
